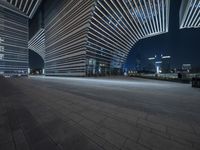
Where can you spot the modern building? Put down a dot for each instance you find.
(14, 16)
(186, 67)
(94, 37)
(160, 64)
(190, 14)
(78, 37)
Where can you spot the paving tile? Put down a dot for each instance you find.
(2, 109)
(75, 140)
(103, 143)
(196, 128)
(130, 118)
(111, 136)
(43, 113)
(184, 135)
(123, 128)
(29, 125)
(45, 117)
(20, 140)
(160, 143)
(93, 115)
(132, 112)
(132, 145)
(57, 129)
(180, 125)
(76, 108)
(5, 134)
(8, 145)
(4, 120)
(45, 144)
(35, 135)
(90, 125)
(79, 142)
(152, 125)
(13, 120)
(75, 117)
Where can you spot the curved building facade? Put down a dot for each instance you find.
(14, 33)
(13, 43)
(37, 43)
(117, 25)
(190, 14)
(89, 37)
(66, 25)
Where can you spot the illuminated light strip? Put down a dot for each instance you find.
(25, 5)
(148, 26)
(68, 26)
(163, 15)
(103, 48)
(68, 35)
(166, 57)
(10, 7)
(32, 12)
(56, 16)
(106, 42)
(130, 32)
(27, 12)
(66, 38)
(60, 31)
(192, 20)
(152, 58)
(108, 39)
(16, 24)
(139, 32)
(124, 31)
(5, 44)
(190, 14)
(108, 36)
(138, 19)
(154, 7)
(27, 8)
(20, 5)
(152, 16)
(108, 55)
(37, 43)
(137, 9)
(11, 1)
(68, 44)
(15, 29)
(16, 1)
(118, 35)
(14, 61)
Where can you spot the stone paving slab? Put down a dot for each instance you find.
(51, 115)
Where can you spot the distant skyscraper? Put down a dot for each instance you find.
(160, 64)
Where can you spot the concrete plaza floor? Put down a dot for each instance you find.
(47, 113)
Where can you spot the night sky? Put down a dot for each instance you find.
(182, 45)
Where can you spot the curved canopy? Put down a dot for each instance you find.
(117, 25)
(26, 7)
(37, 43)
(190, 14)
